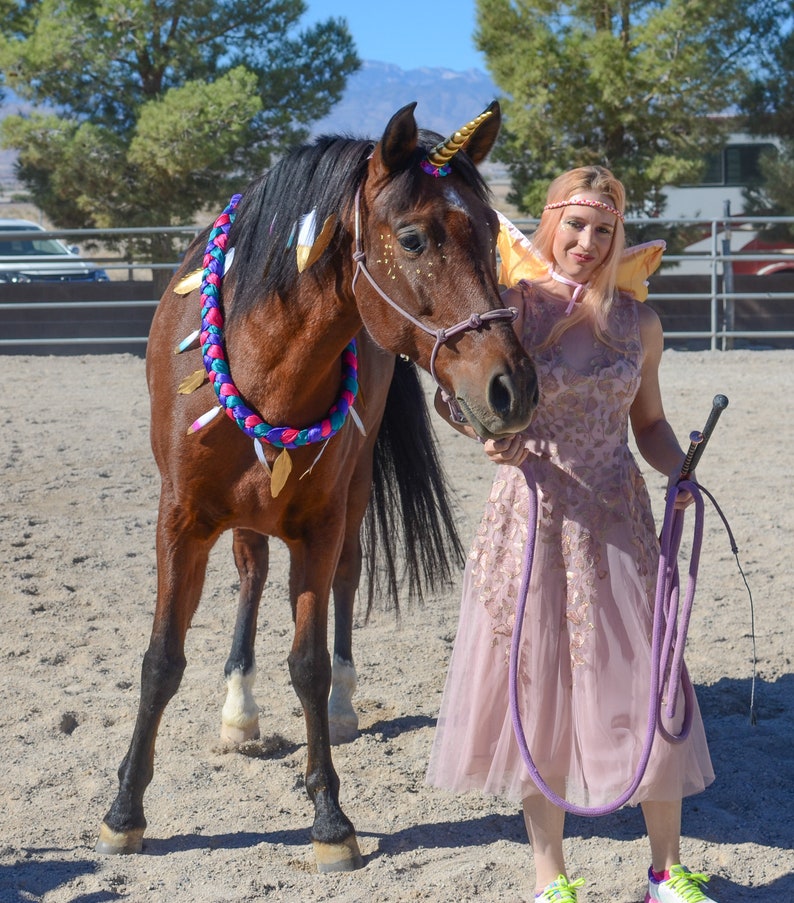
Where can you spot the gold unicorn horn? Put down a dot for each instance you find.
(442, 153)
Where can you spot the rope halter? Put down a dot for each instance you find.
(441, 336)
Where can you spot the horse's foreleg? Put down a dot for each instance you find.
(342, 717)
(240, 716)
(180, 577)
(333, 836)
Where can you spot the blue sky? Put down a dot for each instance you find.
(420, 34)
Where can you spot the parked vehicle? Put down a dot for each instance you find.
(758, 246)
(751, 254)
(27, 255)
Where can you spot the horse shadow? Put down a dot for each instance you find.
(393, 727)
(39, 876)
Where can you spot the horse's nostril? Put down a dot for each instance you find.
(500, 394)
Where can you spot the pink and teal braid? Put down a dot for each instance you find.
(217, 366)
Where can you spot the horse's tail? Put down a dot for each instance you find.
(409, 513)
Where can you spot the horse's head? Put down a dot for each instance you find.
(426, 242)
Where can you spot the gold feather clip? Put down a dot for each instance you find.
(310, 247)
(279, 472)
(189, 283)
(282, 468)
(194, 381)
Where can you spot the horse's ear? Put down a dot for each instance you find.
(483, 140)
(399, 140)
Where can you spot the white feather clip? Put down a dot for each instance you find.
(310, 244)
(260, 453)
(307, 229)
(204, 419)
(228, 260)
(358, 422)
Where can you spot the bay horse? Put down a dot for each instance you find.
(396, 257)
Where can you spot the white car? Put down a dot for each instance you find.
(26, 256)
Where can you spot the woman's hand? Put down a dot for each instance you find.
(682, 499)
(509, 450)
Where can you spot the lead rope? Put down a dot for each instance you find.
(669, 634)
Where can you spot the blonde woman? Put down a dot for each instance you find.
(583, 683)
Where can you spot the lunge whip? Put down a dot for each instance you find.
(697, 441)
(669, 623)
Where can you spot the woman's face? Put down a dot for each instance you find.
(583, 238)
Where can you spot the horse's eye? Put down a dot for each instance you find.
(411, 240)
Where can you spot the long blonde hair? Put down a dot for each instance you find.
(600, 290)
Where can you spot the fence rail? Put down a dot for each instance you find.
(703, 298)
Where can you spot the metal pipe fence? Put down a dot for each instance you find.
(702, 296)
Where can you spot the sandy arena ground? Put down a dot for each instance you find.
(79, 500)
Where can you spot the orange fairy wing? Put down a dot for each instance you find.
(637, 264)
(517, 259)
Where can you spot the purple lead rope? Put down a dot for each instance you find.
(669, 634)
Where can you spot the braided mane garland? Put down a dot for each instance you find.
(217, 366)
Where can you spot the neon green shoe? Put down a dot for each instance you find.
(679, 885)
(560, 891)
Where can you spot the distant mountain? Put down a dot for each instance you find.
(446, 100)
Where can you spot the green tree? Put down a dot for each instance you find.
(149, 111)
(768, 102)
(774, 193)
(638, 86)
(768, 111)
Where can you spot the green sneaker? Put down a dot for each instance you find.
(679, 885)
(560, 891)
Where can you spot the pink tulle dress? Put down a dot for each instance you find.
(585, 661)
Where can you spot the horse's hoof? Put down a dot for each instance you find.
(338, 857)
(237, 734)
(115, 842)
(343, 730)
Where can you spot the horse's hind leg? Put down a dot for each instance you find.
(240, 716)
(181, 566)
(342, 717)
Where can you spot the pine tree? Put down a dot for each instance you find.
(147, 112)
(640, 86)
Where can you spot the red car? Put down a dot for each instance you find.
(765, 267)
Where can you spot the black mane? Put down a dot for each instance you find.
(323, 176)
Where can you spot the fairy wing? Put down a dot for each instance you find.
(517, 260)
(637, 264)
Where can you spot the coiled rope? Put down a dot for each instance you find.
(670, 624)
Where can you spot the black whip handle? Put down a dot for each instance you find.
(698, 440)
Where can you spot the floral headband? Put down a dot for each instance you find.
(585, 202)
